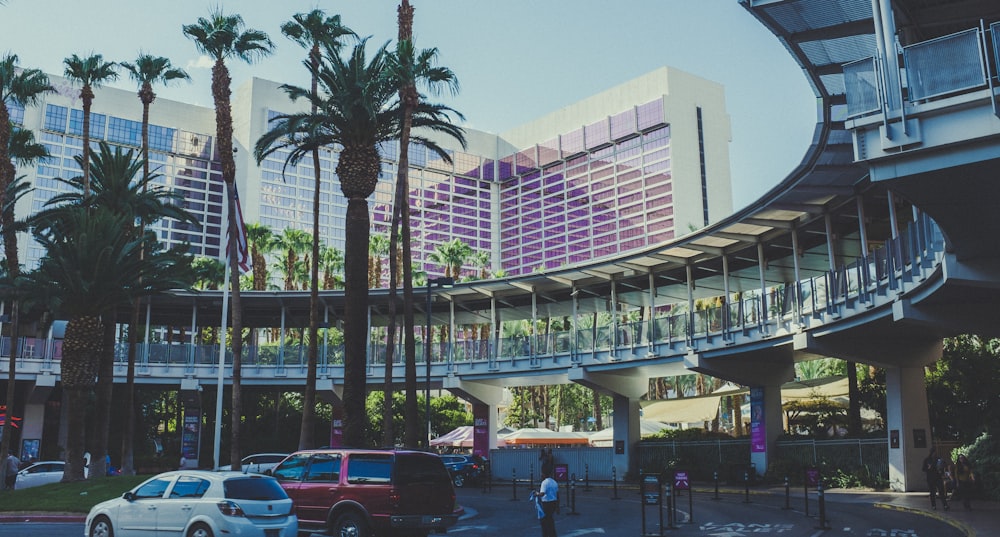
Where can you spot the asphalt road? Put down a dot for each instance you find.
(596, 514)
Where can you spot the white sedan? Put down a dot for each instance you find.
(196, 503)
(41, 473)
(257, 463)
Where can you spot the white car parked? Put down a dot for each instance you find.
(41, 473)
(257, 463)
(196, 503)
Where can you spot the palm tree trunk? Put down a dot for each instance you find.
(105, 386)
(81, 356)
(87, 94)
(128, 434)
(357, 227)
(854, 403)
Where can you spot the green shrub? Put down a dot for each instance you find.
(984, 453)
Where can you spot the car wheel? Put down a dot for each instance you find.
(459, 480)
(350, 524)
(199, 530)
(101, 528)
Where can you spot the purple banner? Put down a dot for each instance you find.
(481, 430)
(191, 434)
(758, 429)
(337, 426)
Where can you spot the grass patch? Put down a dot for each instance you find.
(77, 497)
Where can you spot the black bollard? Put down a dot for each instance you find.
(513, 482)
(715, 477)
(569, 483)
(671, 506)
(586, 478)
(531, 477)
(788, 495)
(805, 490)
(822, 507)
(746, 485)
(572, 497)
(614, 483)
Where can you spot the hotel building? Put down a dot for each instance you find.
(634, 166)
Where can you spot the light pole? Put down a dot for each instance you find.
(444, 283)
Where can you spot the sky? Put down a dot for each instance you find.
(516, 60)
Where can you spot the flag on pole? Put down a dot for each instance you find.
(243, 250)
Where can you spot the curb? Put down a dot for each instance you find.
(961, 526)
(42, 517)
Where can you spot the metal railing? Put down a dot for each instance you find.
(786, 307)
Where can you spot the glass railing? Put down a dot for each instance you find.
(934, 69)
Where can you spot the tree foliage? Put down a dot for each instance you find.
(962, 388)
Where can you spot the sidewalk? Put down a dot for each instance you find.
(982, 521)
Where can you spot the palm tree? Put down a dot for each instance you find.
(91, 72)
(332, 262)
(21, 87)
(293, 243)
(210, 273)
(451, 256)
(378, 249)
(89, 268)
(261, 241)
(118, 187)
(224, 37)
(355, 109)
(410, 69)
(309, 30)
(146, 71)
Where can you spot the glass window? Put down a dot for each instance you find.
(292, 469)
(369, 469)
(189, 487)
(55, 118)
(253, 488)
(324, 468)
(154, 488)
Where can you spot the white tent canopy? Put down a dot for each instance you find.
(461, 437)
(605, 437)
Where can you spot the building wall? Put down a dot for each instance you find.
(618, 171)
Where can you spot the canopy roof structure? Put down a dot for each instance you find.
(531, 436)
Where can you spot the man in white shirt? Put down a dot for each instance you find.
(548, 494)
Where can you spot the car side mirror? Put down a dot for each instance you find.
(129, 496)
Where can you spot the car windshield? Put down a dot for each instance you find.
(253, 488)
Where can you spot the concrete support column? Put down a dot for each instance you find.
(766, 423)
(485, 399)
(908, 422)
(626, 433)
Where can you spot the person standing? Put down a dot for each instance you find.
(966, 481)
(548, 496)
(11, 466)
(933, 467)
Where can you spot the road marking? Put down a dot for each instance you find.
(584, 531)
(459, 529)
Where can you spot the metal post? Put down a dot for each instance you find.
(805, 490)
(531, 477)
(788, 495)
(715, 477)
(822, 506)
(746, 486)
(614, 483)
(513, 483)
(586, 477)
(572, 497)
(671, 506)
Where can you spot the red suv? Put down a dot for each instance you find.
(365, 492)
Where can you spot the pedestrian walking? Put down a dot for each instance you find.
(933, 468)
(11, 466)
(966, 481)
(547, 497)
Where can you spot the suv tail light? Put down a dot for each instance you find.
(394, 498)
(230, 508)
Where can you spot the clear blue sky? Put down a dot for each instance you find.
(516, 60)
